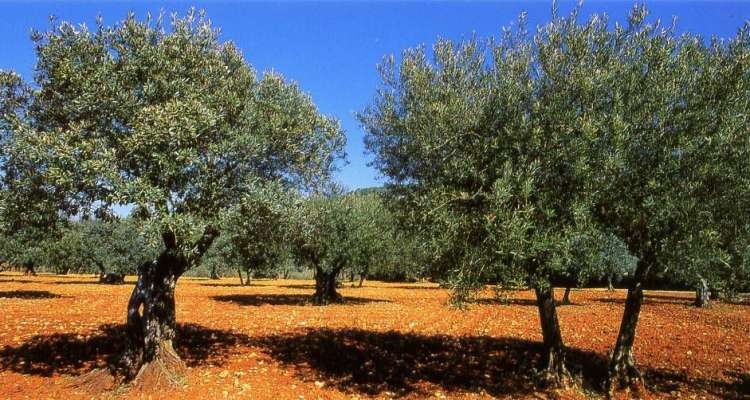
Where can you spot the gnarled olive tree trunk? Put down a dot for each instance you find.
(622, 369)
(149, 359)
(325, 286)
(553, 359)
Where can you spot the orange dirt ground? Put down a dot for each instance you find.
(388, 340)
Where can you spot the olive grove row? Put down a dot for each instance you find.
(581, 151)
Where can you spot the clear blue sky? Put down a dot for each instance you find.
(332, 48)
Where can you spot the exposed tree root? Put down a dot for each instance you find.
(96, 382)
(555, 374)
(625, 380)
(322, 300)
(165, 370)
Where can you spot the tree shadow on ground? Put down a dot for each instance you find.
(668, 381)
(63, 282)
(305, 286)
(75, 353)
(415, 287)
(28, 294)
(651, 299)
(505, 302)
(355, 360)
(360, 361)
(238, 284)
(257, 300)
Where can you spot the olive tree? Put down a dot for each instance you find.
(319, 230)
(252, 238)
(174, 123)
(372, 242)
(672, 155)
(484, 137)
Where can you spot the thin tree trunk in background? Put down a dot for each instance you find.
(702, 293)
(610, 287)
(566, 296)
(29, 268)
(214, 273)
(249, 275)
(242, 280)
(553, 358)
(622, 369)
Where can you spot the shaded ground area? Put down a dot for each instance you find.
(387, 340)
(28, 294)
(74, 354)
(283, 299)
(359, 361)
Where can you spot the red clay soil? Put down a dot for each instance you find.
(387, 341)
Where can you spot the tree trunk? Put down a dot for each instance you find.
(149, 359)
(610, 287)
(29, 268)
(362, 278)
(566, 296)
(109, 278)
(622, 370)
(249, 275)
(214, 273)
(553, 367)
(325, 287)
(242, 280)
(702, 293)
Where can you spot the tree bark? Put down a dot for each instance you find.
(610, 287)
(622, 370)
(553, 367)
(149, 358)
(325, 287)
(29, 268)
(702, 293)
(247, 280)
(242, 280)
(566, 296)
(214, 273)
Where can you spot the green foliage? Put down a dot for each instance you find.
(673, 148)
(166, 119)
(252, 237)
(26, 246)
(510, 152)
(101, 246)
(319, 231)
(474, 132)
